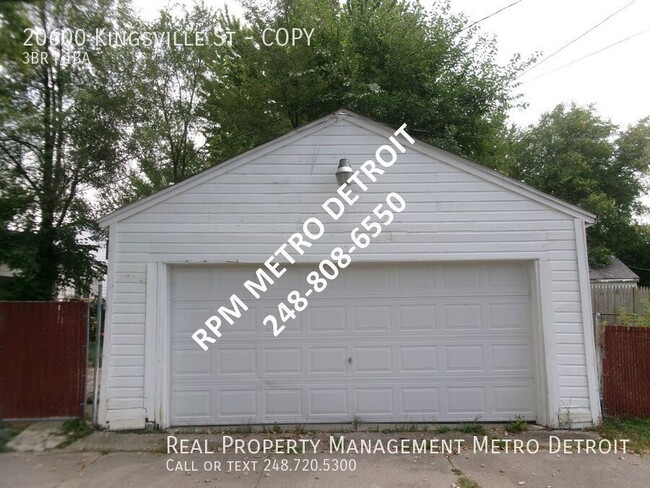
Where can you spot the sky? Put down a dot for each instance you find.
(616, 80)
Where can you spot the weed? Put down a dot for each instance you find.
(75, 429)
(473, 428)
(517, 424)
(457, 471)
(152, 428)
(635, 429)
(443, 429)
(465, 482)
(275, 429)
(634, 319)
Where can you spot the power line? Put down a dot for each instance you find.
(470, 25)
(589, 55)
(576, 39)
(490, 15)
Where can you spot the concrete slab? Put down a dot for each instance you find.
(40, 470)
(553, 470)
(110, 459)
(38, 437)
(125, 469)
(104, 442)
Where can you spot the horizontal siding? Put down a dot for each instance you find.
(246, 213)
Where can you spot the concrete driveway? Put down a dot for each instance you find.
(140, 460)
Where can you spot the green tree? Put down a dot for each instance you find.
(389, 60)
(165, 81)
(58, 140)
(582, 158)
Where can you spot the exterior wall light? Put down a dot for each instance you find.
(343, 172)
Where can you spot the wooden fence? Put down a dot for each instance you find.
(42, 359)
(626, 371)
(607, 299)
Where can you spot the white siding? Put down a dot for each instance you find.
(244, 214)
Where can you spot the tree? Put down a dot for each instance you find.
(165, 81)
(59, 139)
(576, 155)
(389, 60)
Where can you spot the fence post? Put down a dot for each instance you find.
(98, 348)
(87, 346)
(599, 355)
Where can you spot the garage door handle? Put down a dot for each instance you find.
(350, 360)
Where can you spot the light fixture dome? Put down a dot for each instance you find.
(343, 172)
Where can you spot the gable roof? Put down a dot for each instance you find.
(458, 162)
(616, 270)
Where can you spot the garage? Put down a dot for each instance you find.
(468, 299)
(398, 342)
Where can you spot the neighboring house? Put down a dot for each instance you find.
(6, 276)
(615, 273)
(69, 292)
(472, 303)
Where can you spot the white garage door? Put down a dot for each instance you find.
(384, 342)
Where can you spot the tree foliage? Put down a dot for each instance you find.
(392, 61)
(59, 137)
(582, 158)
(165, 83)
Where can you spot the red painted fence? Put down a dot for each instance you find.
(626, 371)
(42, 359)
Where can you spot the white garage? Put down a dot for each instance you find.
(471, 302)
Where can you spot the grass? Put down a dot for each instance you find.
(465, 482)
(473, 428)
(75, 429)
(635, 429)
(517, 424)
(91, 354)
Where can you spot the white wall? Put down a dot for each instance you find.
(246, 213)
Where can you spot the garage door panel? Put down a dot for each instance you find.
(511, 357)
(192, 405)
(370, 402)
(326, 319)
(328, 402)
(466, 400)
(283, 402)
(416, 317)
(239, 404)
(508, 316)
(462, 277)
(191, 362)
(283, 360)
(389, 342)
(421, 358)
(463, 316)
(420, 401)
(237, 361)
(328, 360)
(371, 317)
(463, 358)
(513, 400)
(372, 359)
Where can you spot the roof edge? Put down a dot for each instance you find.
(459, 162)
(481, 171)
(162, 195)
